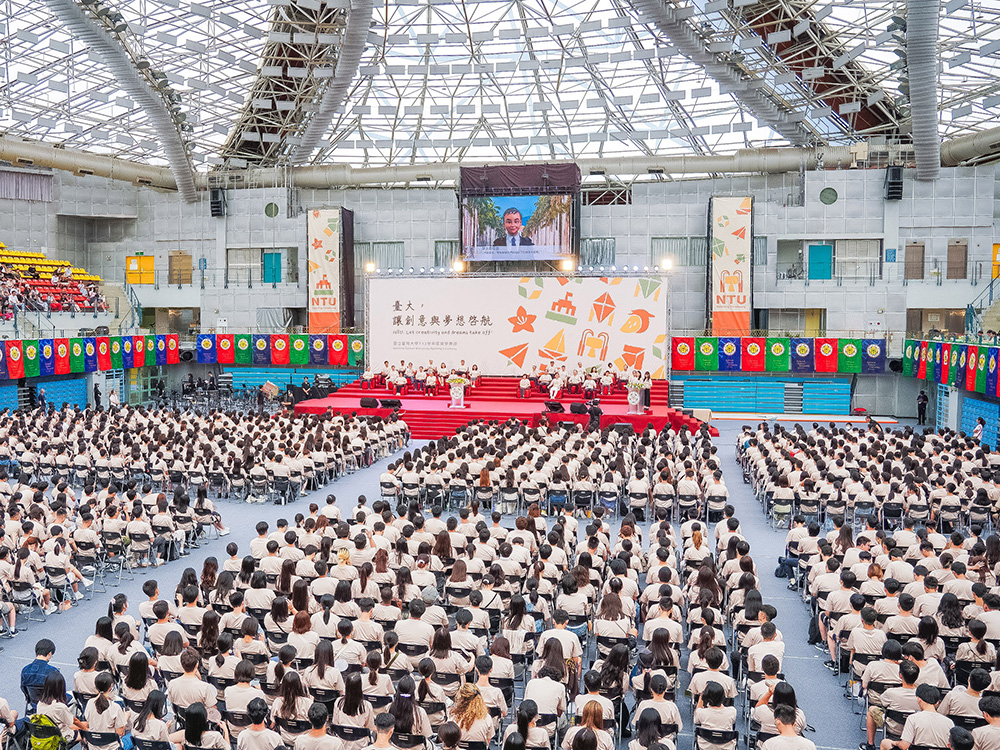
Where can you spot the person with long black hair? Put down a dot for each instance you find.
(410, 718)
(149, 724)
(352, 710)
(535, 737)
(102, 714)
(198, 731)
(53, 703)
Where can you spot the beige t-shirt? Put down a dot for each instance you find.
(788, 743)
(262, 740)
(986, 738)
(927, 728)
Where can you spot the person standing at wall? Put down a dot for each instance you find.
(922, 407)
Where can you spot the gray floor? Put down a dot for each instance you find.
(818, 691)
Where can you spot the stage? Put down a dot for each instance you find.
(429, 417)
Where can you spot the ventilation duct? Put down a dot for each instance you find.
(922, 66)
(348, 59)
(118, 61)
(694, 48)
(967, 148)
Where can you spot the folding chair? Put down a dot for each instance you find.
(23, 595)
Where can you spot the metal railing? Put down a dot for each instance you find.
(211, 279)
(844, 271)
(35, 324)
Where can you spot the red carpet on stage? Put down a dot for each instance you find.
(429, 417)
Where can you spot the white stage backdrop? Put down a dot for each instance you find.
(507, 324)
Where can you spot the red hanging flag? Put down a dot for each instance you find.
(15, 360)
(752, 358)
(279, 349)
(103, 353)
(62, 357)
(337, 346)
(826, 355)
(138, 351)
(173, 349)
(682, 353)
(225, 348)
(922, 363)
(945, 362)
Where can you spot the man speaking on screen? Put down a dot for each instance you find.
(512, 229)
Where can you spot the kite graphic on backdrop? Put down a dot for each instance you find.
(555, 348)
(603, 309)
(631, 358)
(611, 281)
(647, 288)
(637, 321)
(563, 310)
(516, 354)
(530, 288)
(594, 346)
(522, 320)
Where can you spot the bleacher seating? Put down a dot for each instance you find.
(252, 377)
(35, 271)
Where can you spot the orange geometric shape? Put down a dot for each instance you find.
(637, 321)
(741, 233)
(603, 309)
(744, 208)
(516, 354)
(555, 348)
(522, 320)
(631, 358)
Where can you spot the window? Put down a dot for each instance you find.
(913, 262)
(684, 251)
(760, 251)
(617, 196)
(597, 251)
(858, 260)
(382, 254)
(446, 252)
(243, 264)
(958, 258)
(292, 265)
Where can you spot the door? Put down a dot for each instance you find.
(821, 262)
(913, 263)
(815, 321)
(179, 271)
(958, 257)
(272, 268)
(139, 269)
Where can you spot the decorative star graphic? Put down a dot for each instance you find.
(522, 321)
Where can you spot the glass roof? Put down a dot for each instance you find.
(490, 80)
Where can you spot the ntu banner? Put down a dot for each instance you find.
(323, 229)
(509, 324)
(729, 265)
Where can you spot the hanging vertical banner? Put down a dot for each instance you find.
(116, 352)
(945, 363)
(323, 230)
(825, 351)
(991, 371)
(279, 349)
(803, 355)
(244, 349)
(90, 354)
(908, 368)
(63, 366)
(873, 356)
(730, 240)
(173, 349)
(957, 372)
(706, 354)
(938, 352)
(729, 354)
(206, 349)
(3, 362)
(752, 357)
(15, 359)
(32, 364)
(849, 356)
(161, 349)
(103, 353)
(682, 356)
(921, 369)
(225, 349)
(150, 350)
(128, 352)
(299, 345)
(138, 351)
(981, 370)
(355, 349)
(48, 350)
(261, 349)
(317, 350)
(776, 358)
(971, 359)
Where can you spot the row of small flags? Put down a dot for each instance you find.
(27, 358)
(777, 354)
(281, 349)
(969, 366)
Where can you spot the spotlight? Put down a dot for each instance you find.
(635, 269)
(591, 268)
(422, 269)
(645, 269)
(458, 266)
(369, 267)
(615, 268)
(667, 264)
(656, 268)
(411, 269)
(579, 268)
(601, 269)
(566, 265)
(378, 270)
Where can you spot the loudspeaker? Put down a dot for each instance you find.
(369, 403)
(391, 403)
(576, 408)
(624, 429)
(554, 407)
(187, 356)
(101, 331)
(893, 183)
(217, 202)
(896, 365)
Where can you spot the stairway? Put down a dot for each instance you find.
(793, 398)
(118, 301)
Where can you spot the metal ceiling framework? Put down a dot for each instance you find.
(495, 80)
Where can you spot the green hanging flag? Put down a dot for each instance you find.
(908, 369)
(150, 350)
(116, 352)
(76, 355)
(980, 368)
(32, 358)
(849, 355)
(355, 349)
(299, 345)
(706, 353)
(777, 355)
(244, 349)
